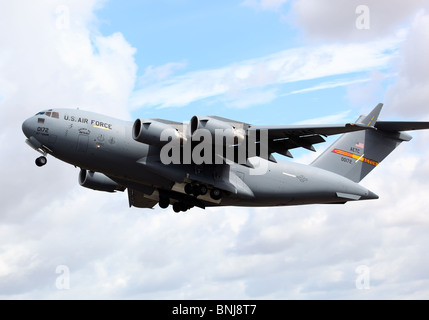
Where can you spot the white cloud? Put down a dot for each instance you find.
(288, 66)
(156, 74)
(369, 91)
(335, 20)
(409, 96)
(335, 118)
(42, 58)
(329, 85)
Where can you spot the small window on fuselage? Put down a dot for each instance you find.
(55, 115)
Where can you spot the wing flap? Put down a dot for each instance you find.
(277, 132)
(295, 142)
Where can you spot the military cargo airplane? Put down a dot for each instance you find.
(213, 161)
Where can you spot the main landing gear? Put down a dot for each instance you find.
(200, 189)
(196, 189)
(164, 203)
(191, 189)
(180, 206)
(41, 161)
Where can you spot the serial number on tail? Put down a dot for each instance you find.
(354, 156)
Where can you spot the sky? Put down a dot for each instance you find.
(258, 61)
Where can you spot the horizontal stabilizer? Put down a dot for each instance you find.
(395, 126)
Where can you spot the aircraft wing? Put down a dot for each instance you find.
(283, 138)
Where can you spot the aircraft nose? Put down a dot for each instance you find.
(28, 127)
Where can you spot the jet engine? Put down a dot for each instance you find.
(221, 131)
(155, 133)
(98, 181)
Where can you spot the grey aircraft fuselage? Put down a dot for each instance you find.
(103, 144)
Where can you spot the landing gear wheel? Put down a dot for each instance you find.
(216, 194)
(188, 188)
(196, 190)
(176, 207)
(203, 190)
(184, 207)
(41, 161)
(164, 202)
(180, 206)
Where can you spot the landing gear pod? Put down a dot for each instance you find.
(98, 181)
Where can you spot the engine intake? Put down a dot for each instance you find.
(222, 132)
(98, 181)
(155, 133)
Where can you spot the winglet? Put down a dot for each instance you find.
(371, 119)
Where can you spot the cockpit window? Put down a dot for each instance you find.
(49, 113)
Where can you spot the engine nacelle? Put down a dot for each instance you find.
(98, 181)
(222, 132)
(155, 133)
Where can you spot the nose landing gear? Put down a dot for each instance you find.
(41, 161)
(43, 150)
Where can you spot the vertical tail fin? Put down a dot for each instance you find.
(371, 118)
(355, 154)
